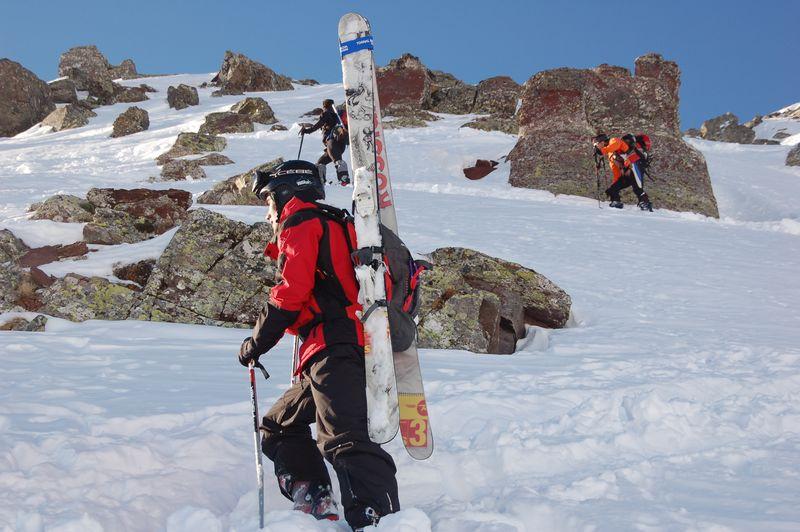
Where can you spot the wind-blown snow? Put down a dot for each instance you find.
(673, 403)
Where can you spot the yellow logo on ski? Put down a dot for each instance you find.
(413, 419)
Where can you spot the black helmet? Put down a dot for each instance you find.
(289, 179)
(600, 137)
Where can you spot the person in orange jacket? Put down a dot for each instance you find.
(625, 165)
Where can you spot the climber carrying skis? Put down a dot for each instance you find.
(317, 299)
(625, 160)
(335, 140)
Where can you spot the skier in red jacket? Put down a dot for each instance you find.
(317, 299)
(624, 161)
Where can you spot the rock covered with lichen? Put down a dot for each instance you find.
(482, 304)
(78, 298)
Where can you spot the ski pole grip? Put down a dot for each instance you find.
(255, 364)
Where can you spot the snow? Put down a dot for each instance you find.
(671, 403)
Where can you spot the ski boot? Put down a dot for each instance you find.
(311, 498)
(341, 173)
(370, 518)
(616, 204)
(644, 203)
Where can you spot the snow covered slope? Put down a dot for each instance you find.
(672, 404)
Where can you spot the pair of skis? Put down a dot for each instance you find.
(395, 394)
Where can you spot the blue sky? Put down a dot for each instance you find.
(734, 55)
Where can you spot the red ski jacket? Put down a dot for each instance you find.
(317, 293)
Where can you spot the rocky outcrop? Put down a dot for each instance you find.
(192, 144)
(236, 190)
(78, 298)
(182, 96)
(726, 128)
(11, 247)
(63, 208)
(127, 216)
(482, 304)
(63, 91)
(792, 111)
(133, 120)
(307, 82)
(129, 94)
(793, 157)
(68, 117)
(213, 272)
(407, 82)
(125, 70)
(93, 64)
(255, 109)
(180, 169)
(563, 108)
(226, 122)
(239, 74)
(24, 98)
(138, 272)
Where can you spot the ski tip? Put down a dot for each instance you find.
(351, 25)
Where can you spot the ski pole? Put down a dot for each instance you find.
(597, 164)
(259, 466)
(295, 359)
(302, 137)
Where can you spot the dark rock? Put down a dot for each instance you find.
(63, 91)
(192, 144)
(780, 135)
(236, 190)
(68, 117)
(134, 120)
(221, 92)
(754, 122)
(182, 96)
(63, 208)
(314, 112)
(79, 298)
(480, 169)
(138, 272)
(180, 169)
(17, 289)
(475, 302)
(279, 127)
(495, 123)
(307, 82)
(213, 272)
(793, 157)
(214, 159)
(256, 109)
(147, 88)
(48, 254)
(129, 94)
(497, 96)
(240, 74)
(226, 122)
(24, 99)
(450, 95)
(37, 324)
(726, 128)
(82, 63)
(563, 108)
(125, 70)
(11, 247)
(408, 111)
(127, 216)
(40, 278)
(766, 142)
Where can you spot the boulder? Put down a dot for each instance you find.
(404, 80)
(134, 120)
(63, 91)
(214, 159)
(756, 120)
(82, 63)
(495, 123)
(18, 288)
(781, 134)
(307, 82)
(125, 70)
(68, 117)
(726, 128)
(46, 254)
(124, 94)
(236, 190)
(766, 142)
(226, 122)
(127, 216)
(563, 109)
(256, 109)
(37, 324)
(482, 304)
(192, 144)
(213, 272)
(450, 95)
(11, 247)
(78, 298)
(793, 157)
(24, 98)
(182, 96)
(239, 73)
(279, 127)
(147, 88)
(497, 96)
(63, 208)
(180, 169)
(138, 272)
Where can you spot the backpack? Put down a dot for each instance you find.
(401, 278)
(641, 145)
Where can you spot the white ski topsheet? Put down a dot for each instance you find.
(673, 404)
(358, 73)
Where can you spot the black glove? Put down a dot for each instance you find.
(246, 354)
(304, 131)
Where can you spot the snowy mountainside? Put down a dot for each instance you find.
(673, 403)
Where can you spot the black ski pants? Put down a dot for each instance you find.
(333, 150)
(625, 180)
(332, 393)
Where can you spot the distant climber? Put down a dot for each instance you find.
(626, 160)
(334, 138)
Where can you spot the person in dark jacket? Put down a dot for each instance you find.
(317, 299)
(334, 138)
